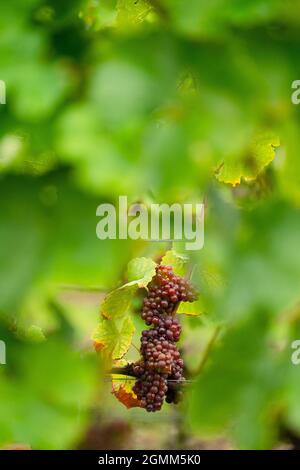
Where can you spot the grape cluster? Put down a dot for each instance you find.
(151, 388)
(160, 371)
(158, 348)
(164, 292)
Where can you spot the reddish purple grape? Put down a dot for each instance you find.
(164, 292)
(151, 389)
(161, 361)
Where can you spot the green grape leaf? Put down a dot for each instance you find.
(177, 261)
(105, 335)
(191, 308)
(260, 154)
(35, 334)
(125, 335)
(141, 271)
(113, 339)
(132, 12)
(117, 302)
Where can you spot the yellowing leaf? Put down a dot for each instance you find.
(125, 335)
(141, 271)
(117, 302)
(113, 340)
(122, 389)
(177, 261)
(105, 336)
(261, 153)
(120, 363)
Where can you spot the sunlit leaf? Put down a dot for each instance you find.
(141, 270)
(113, 339)
(177, 261)
(132, 12)
(191, 308)
(117, 302)
(125, 335)
(261, 153)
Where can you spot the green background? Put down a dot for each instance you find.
(162, 101)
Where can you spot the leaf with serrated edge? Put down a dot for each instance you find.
(117, 302)
(125, 338)
(177, 261)
(132, 13)
(120, 363)
(112, 339)
(105, 335)
(141, 271)
(261, 153)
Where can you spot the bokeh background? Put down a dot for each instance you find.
(162, 101)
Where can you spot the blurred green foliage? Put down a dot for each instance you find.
(164, 101)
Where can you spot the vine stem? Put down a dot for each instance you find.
(206, 352)
(135, 347)
(127, 370)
